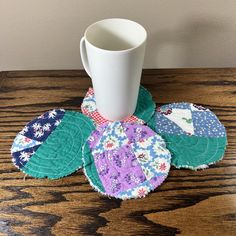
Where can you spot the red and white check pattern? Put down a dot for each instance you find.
(95, 115)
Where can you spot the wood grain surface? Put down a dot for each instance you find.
(188, 203)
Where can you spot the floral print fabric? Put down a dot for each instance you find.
(41, 127)
(194, 135)
(130, 159)
(189, 119)
(118, 170)
(22, 142)
(21, 158)
(33, 135)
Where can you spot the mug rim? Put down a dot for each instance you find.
(115, 51)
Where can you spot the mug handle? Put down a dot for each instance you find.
(84, 56)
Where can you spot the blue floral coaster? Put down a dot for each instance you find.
(194, 135)
(51, 145)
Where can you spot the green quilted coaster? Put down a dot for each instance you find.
(195, 152)
(145, 106)
(61, 153)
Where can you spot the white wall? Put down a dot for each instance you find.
(45, 34)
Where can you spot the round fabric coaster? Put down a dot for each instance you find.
(194, 135)
(125, 160)
(51, 145)
(143, 113)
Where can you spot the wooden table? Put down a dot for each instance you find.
(188, 203)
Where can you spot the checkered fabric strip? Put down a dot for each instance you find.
(98, 118)
(89, 108)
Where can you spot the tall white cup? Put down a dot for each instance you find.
(112, 52)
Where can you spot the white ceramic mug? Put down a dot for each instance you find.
(112, 52)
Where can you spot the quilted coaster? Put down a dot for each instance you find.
(193, 134)
(125, 160)
(143, 113)
(51, 145)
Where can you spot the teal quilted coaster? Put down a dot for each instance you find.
(193, 134)
(51, 145)
(145, 106)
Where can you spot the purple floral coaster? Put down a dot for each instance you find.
(125, 160)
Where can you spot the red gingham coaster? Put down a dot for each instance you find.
(89, 108)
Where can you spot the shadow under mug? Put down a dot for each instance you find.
(112, 53)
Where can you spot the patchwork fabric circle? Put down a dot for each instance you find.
(193, 134)
(51, 145)
(144, 110)
(125, 160)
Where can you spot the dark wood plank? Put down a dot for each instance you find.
(188, 203)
